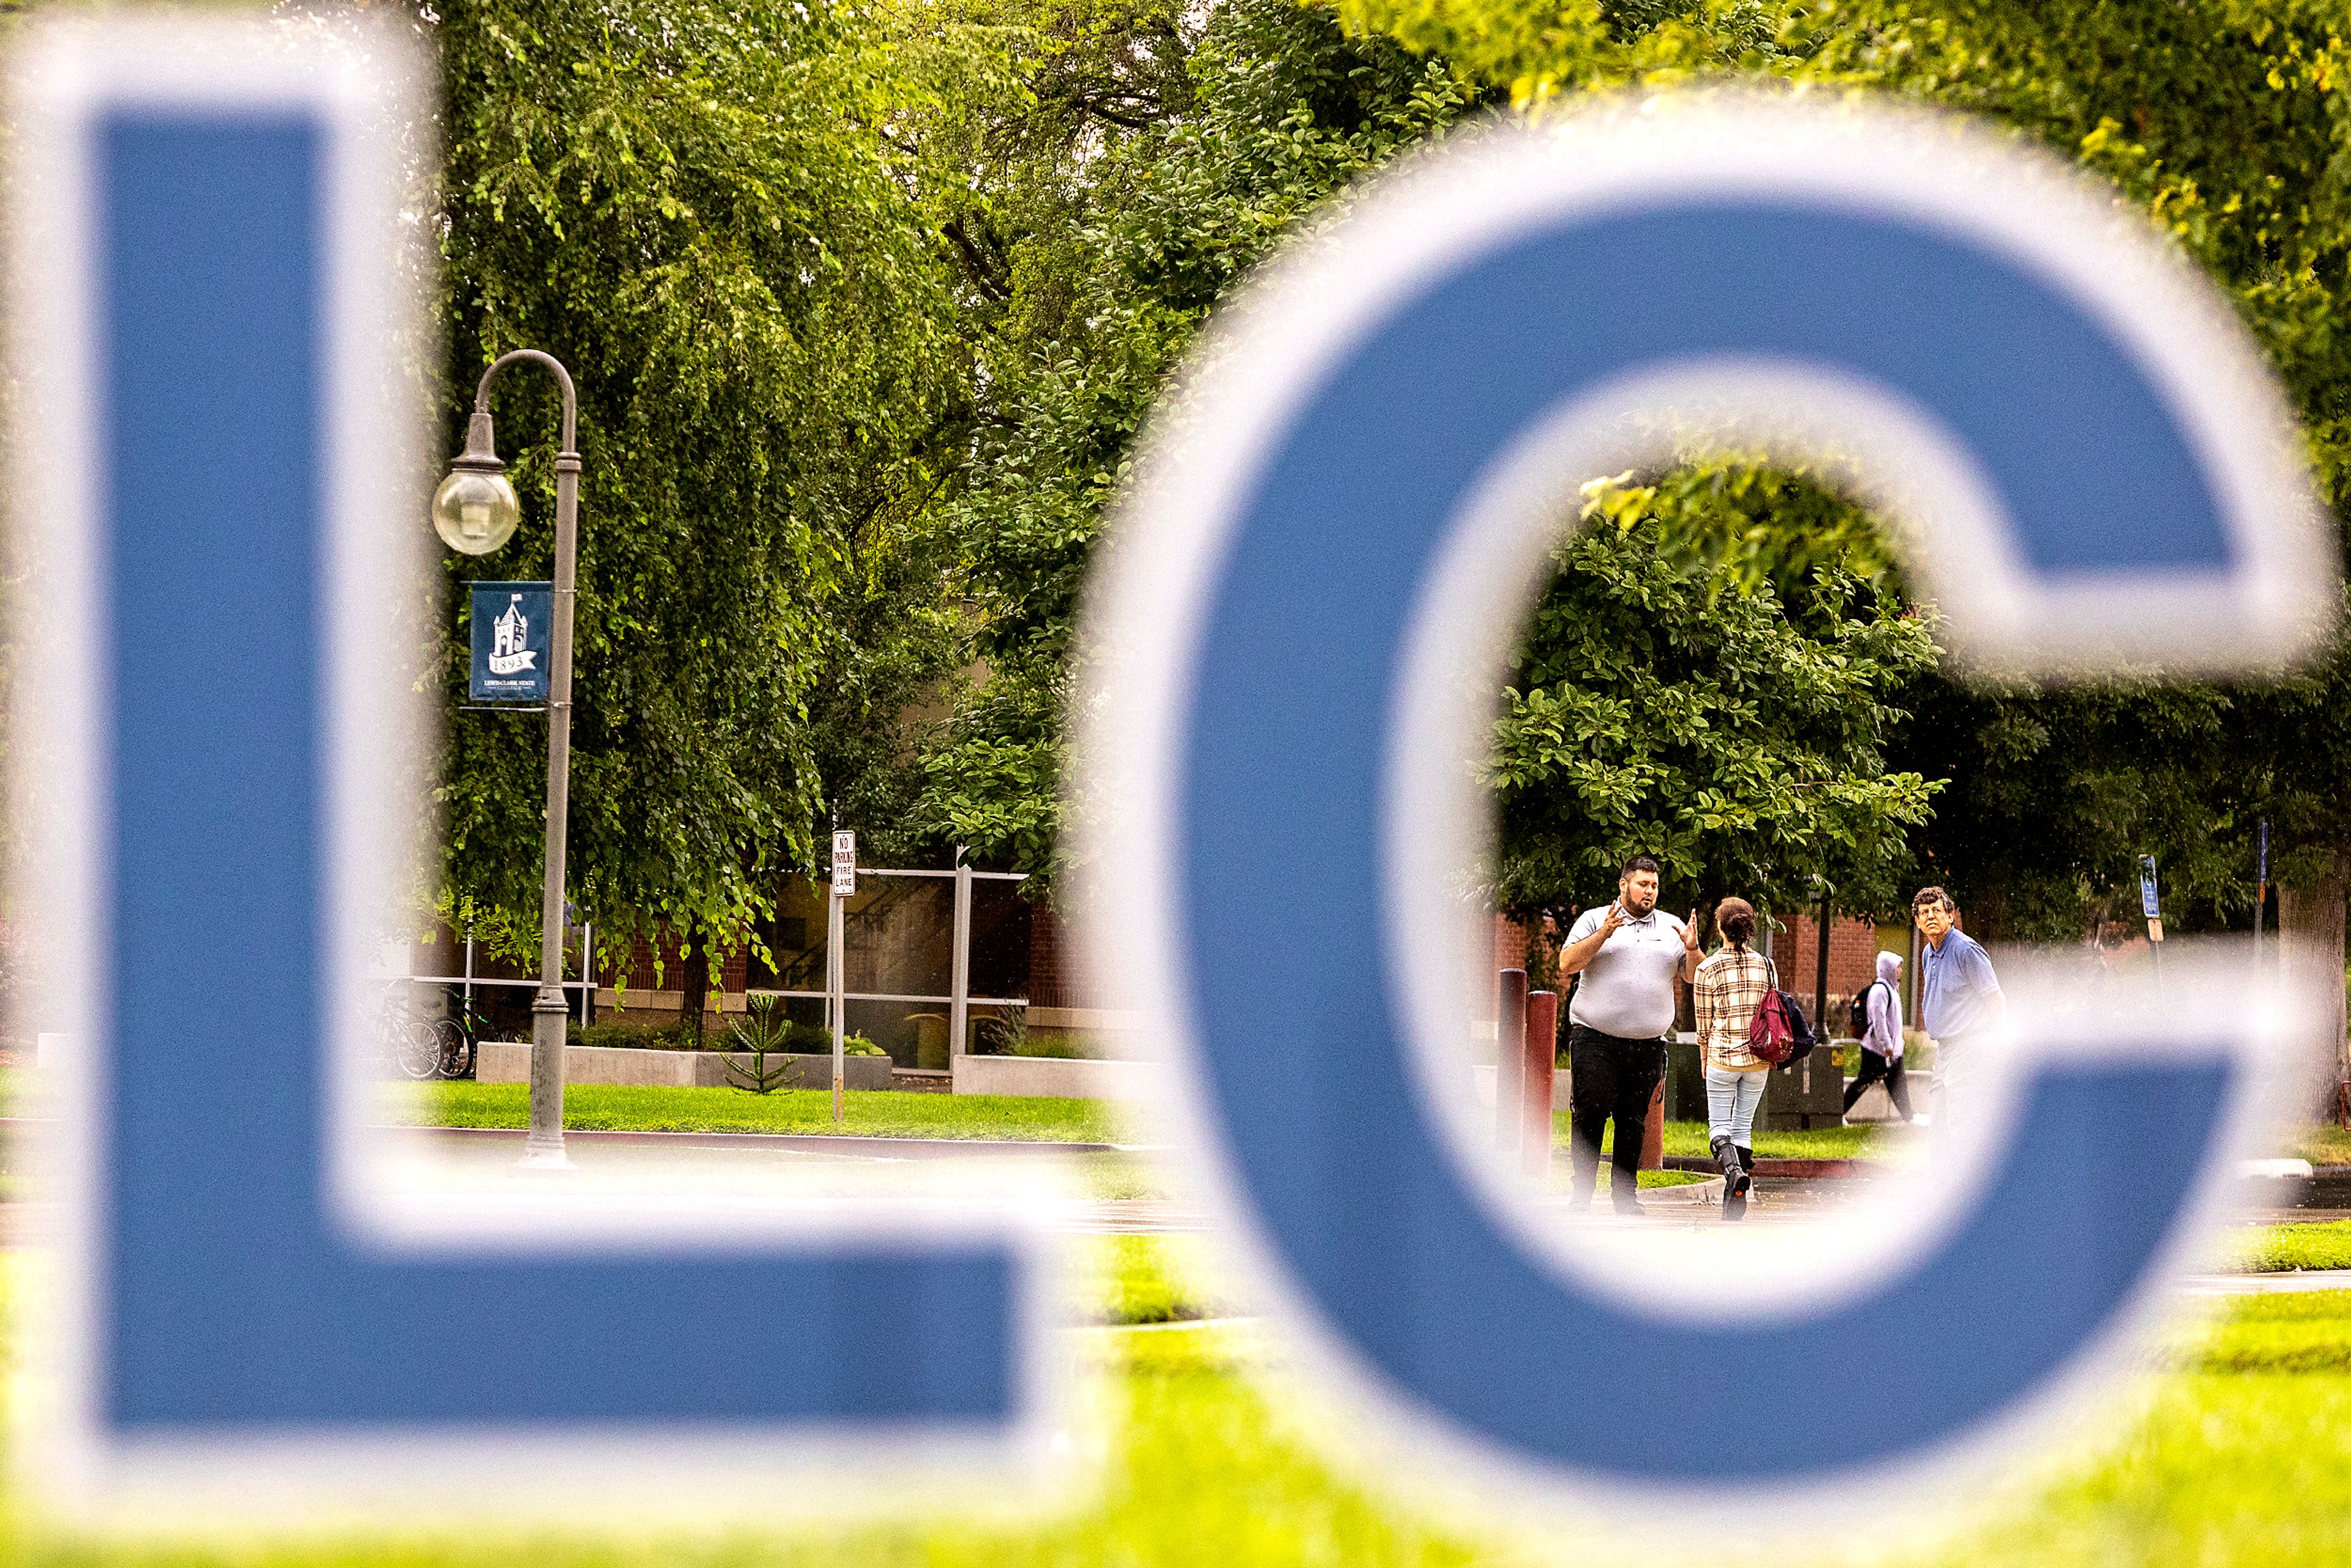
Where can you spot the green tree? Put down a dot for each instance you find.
(726, 220)
(1694, 601)
(2224, 121)
(1712, 677)
(1113, 235)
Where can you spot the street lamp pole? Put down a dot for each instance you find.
(475, 511)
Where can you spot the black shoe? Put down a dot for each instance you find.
(1734, 1162)
(1735, 1179)
(1630, 1207)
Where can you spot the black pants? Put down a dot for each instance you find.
(1873, 1068)
(1610, 1078)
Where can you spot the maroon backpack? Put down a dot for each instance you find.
(1779, 1033)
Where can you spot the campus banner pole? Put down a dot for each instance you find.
(474, 512)
(1510, 1056)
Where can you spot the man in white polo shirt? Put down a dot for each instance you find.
(1631, 956)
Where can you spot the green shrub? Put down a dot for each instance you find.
(811, 1038)
(1064, 1048)
(672, 1036)
(1005, 1034)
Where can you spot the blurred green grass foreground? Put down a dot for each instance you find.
(2229, 1447)
(2237, 1458)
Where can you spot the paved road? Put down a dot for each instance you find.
(2262, 1284)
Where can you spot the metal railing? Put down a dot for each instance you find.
(958, 1000)
(586, 985)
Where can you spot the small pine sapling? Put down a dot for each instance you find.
(763, 1032)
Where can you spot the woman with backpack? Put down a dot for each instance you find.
(1729, 986)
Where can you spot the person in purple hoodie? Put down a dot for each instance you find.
(1881, 1043)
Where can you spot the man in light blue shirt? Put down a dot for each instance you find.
(1959, 1000)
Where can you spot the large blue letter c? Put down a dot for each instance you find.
(2127, 463)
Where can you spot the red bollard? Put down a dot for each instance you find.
(1543, 1031)
(1509, 1055)
(1653, 1134)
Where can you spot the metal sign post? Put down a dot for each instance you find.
(959, 976)
(836, 967)
(2260, 888)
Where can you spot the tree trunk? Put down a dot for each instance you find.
(2310, 929)
(694, 979)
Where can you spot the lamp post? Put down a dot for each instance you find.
(475, 511)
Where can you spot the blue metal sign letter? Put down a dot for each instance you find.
(1315, 583)
(208, 208)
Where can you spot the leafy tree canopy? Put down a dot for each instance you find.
(724, 218)
(1689, 692)
(1673, 695)
(2222, 121)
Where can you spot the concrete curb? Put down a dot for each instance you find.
(2266, 1284)
(845, 1145)
(860, 1145)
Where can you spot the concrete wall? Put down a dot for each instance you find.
(1070, 1079)
(508, 1062)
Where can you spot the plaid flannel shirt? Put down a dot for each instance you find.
(1726, 991)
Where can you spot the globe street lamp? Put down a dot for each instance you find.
(475, 511)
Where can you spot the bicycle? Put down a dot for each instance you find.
(411, 1044)
(460, 1032)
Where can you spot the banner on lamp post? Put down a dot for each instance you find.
(513, 626)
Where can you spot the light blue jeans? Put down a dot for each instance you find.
(1730, 1102)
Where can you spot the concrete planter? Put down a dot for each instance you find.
(508, 1062)
(1808, 1095)
(1066, 1078)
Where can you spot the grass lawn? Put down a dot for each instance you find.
(2327, 1145)
(866, 1112)
(2275, 1248)
(1689, 1138)
(2237, 1464)
(1152, 1280)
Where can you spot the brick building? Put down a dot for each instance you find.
(900, 946)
